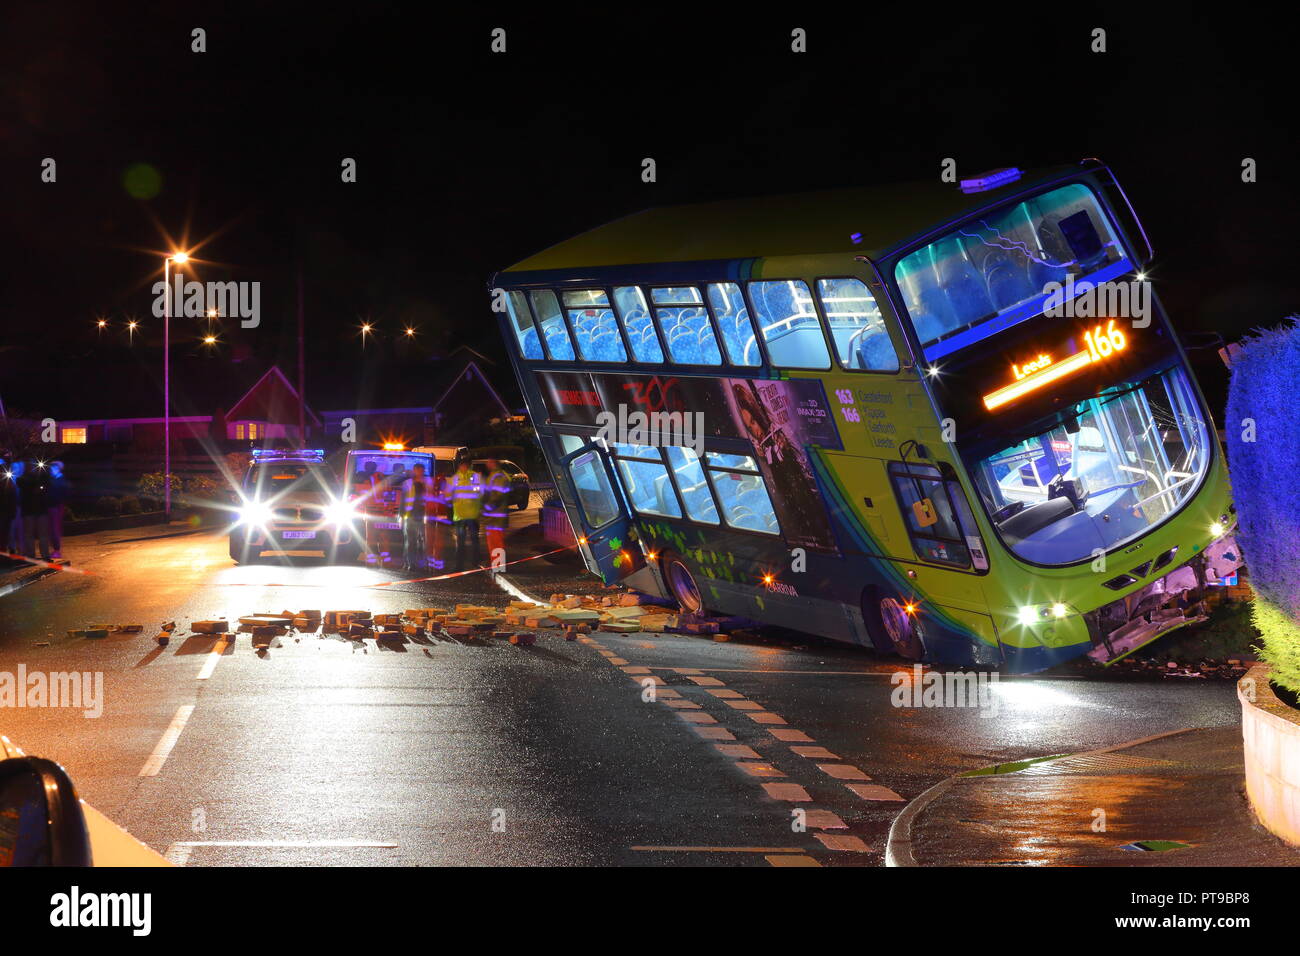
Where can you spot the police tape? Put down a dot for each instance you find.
(52, 565)
(491, 569)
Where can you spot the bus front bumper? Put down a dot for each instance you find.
(1163, 605)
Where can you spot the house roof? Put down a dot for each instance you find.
(271, 399)
(199, 387)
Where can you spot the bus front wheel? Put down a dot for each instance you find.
(894, 625)
(681, 583)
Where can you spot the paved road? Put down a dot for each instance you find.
(619, 749)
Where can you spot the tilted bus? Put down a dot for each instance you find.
(930, 422)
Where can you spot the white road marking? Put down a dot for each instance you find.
(167, 741)
(179, 852)
(505, 584)
(213, 656)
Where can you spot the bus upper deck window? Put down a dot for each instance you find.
(593, 326)
(553, 330)
(635, 316)
(857, 328)
(733, 322)
(521, 321)
(685, 325)
(788, 321)
(1005, 259)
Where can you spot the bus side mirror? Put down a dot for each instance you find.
(41, 821)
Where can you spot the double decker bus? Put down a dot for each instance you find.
(903, 417)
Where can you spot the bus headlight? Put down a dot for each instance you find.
(254, 513)
(1038, 613)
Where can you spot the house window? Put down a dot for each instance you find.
(239, 431)
(253, 431)
(74, 436)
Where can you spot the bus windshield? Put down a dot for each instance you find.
(999, 262)
(1111, 468)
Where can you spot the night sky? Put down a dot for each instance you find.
(469, 161)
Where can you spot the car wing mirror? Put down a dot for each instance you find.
(41, 821)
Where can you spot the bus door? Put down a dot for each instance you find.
(607, 536)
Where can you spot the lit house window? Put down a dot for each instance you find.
(252, 430)
(239, 431)
(74, 436)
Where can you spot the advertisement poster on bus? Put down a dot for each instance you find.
(780, 417)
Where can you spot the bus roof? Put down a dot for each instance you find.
(881, 217)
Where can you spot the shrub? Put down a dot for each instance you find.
(131, 505)
(200, 490)
(150, 487)
(1263, 432)
(108, 506)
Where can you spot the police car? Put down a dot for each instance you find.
(290, 506)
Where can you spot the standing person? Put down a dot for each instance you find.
(14, 536)
(55, 499)
(8, 505)
(466, 489)
(414, 496)
(441, 518)
(34, 486)
(496, 504)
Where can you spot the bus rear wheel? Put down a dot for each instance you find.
(893, 627)
(681, 583)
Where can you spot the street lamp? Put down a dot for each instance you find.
(180, 258)
(366, 328)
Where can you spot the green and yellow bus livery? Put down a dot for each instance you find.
(945, 420)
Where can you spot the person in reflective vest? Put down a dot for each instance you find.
(495, 507)
(440, 519)
(466, 488)
(414, 497)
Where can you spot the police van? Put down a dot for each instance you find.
(291, 506)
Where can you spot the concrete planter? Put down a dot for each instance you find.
(1271, 734)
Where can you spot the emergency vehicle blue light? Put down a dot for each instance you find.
(990, 180)
(288, 453)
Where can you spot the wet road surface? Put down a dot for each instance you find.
(615, 749)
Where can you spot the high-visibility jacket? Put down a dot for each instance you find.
(498, 489)
(466, 496)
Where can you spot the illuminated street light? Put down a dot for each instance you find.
(180, 258)
(209, 340)
(366, 329)
(410, 332)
